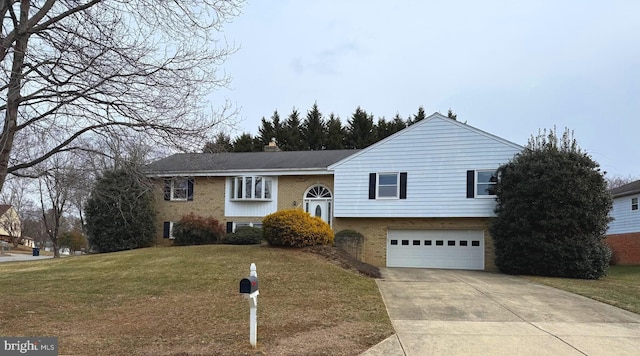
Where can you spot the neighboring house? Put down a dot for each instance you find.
(10, 224)
(623, 235)
(421, 197)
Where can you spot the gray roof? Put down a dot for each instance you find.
(627, 189)
(246, 161)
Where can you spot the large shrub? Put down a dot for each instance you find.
(244, 235)
(197, 230)
(296, 228)
(552, 212)
(119, 212)
(350, 241)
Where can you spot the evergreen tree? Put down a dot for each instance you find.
(119, 212)
(245, 143)
(335, 133)
(452, 115)
(360, 132)
(382, 129)
(419, 116)
(397, 124)
(552, 212)
(271, 129)
(221, 143)
(291, 139)
(314, 130)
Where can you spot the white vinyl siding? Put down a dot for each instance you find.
(625, 218)
(436, 154)
(250, 207)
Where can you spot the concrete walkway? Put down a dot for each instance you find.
(447, 312)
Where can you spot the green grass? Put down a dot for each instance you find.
(185, 300)
(621, 287)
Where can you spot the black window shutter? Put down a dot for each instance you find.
(167, 189)
(372, 185)
(229, 227)
(471, 175)
(403, 185)
(167, 227)
(190, 189)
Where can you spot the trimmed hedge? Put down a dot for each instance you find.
(196, 230)
(296, 228)
(245, 235)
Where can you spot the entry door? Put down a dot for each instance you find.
(319, 208)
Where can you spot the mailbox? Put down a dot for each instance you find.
(249, 285)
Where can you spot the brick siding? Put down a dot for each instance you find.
(625, 248)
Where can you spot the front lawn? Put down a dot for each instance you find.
(185, 301)
(621, 287)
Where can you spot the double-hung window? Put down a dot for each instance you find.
(634, 203)
(486, 182)
(251, 188)
(388, 185)
(178, 189)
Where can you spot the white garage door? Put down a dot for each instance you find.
(456, 249)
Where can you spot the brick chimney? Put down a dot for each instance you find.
(272, 146)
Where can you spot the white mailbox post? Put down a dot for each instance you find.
(249, 288)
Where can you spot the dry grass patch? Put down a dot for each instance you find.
(621, 287)
(185, 301)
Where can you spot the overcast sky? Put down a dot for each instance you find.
(506, 67)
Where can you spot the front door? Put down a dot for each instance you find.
(319, 208)
(317, 202)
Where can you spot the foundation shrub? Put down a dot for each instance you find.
(245, 235)
(197, 230)
(296, 228)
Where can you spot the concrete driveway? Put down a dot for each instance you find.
(450, 312)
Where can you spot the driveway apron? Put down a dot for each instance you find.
(455, 312)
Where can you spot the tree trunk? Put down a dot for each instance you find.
(13, 92)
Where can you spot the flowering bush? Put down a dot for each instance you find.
(296, 228)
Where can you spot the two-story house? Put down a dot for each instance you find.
(421, 197)
(623, 235)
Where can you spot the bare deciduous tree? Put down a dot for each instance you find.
(72, 68)
(55, 187)
(618, 181)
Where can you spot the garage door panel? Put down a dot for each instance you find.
(454, 249)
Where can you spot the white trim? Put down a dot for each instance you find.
(397, 196)
(475, 185)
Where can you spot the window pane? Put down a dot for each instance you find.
(233, 188)
(180, 188)
(267, 188)
(258, 188)
(389, 191)
(247, 190)
(388, 179)
(486, 177)
(486, 189)
(239, 186)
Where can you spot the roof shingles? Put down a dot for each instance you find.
(247, 161)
